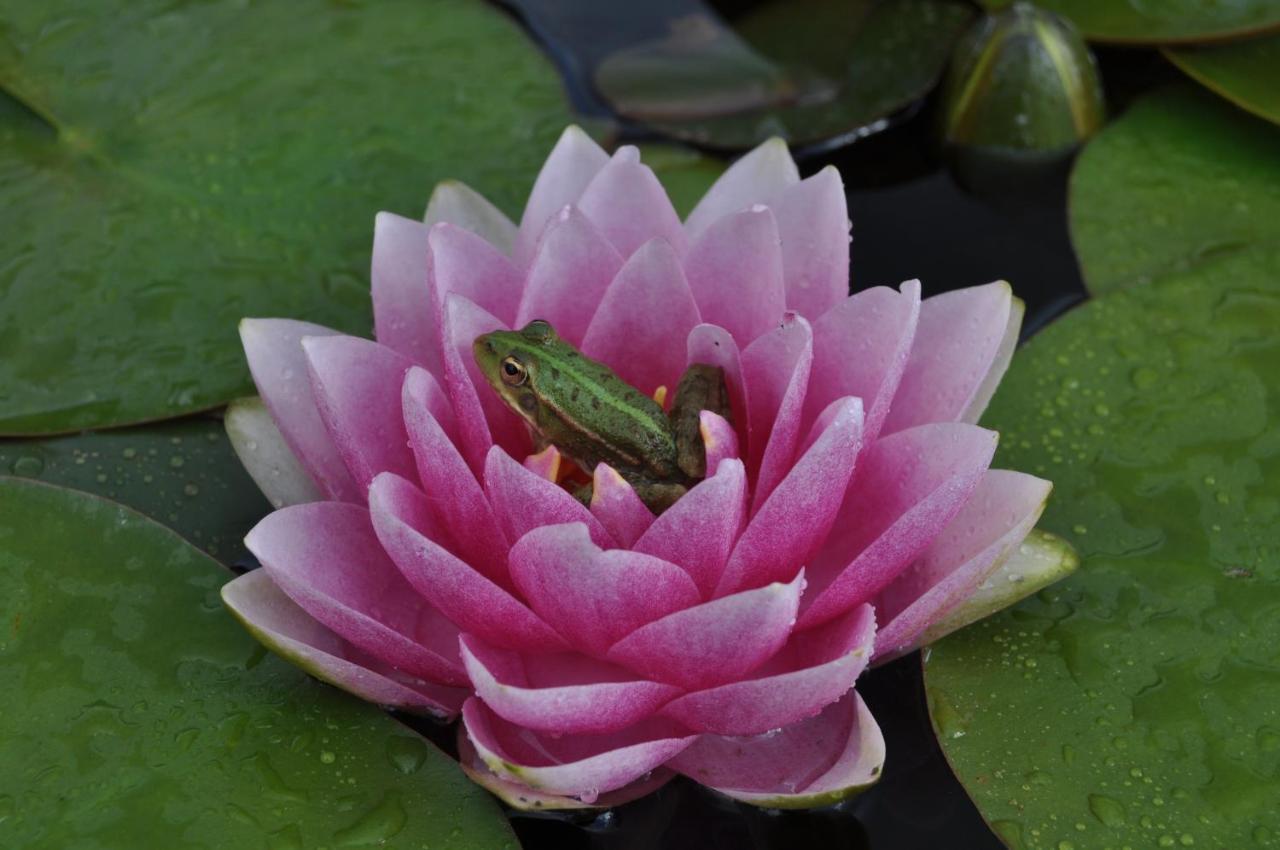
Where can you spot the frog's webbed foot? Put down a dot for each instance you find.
(702, 387)
(583, 494)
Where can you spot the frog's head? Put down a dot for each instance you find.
(511, 360)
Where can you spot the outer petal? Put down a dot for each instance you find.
(1001, 513)
(814, 669)
(815, 762)
(715, 346)
(404, 317)
(956, 346)
(457, 203)
(715, 642)
(755, 178)
(273, 348)
(592, 596)
(462, 263)
(735, 273)
(792, 524)
(571, 165)
(908, 487)
(567, 693)
(287, 630)
(326, 558)
(644, 314)
(583, 766)
(265, 454)
(571, 270)
(357, 390)
(999, 365)
(476, 604)
(860, 347)
(813, 220)
(523, 500)
(630, 207)
(776, 370)
(698, 531)
(617, 506)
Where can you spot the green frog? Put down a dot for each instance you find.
(592, 416)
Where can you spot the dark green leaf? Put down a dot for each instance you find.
(1247, 73)
(1163, 21)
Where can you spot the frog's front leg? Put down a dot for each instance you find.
(702, 387)
(657, 496)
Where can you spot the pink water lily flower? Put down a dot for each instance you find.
(423, 557)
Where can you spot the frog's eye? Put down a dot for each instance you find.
(513, 372)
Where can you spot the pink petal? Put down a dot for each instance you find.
(644, 314)
(266, 456)
(792, 524)
(457, 203)
(294, 635)
(405, 529)
(571, 270)
(776, 369)
(814, 669)
(630, 207)
(273, 348)
(545, 464)
(956, 344)
(524, 500)
(715, 642)
(567, 693)
(572, 164)
(1002, 511)
(908, 487)
(457, 500)
(325, 556)
(815, 762)
(356, 384)
(698, 531)
(860, 347)
(583, 766)
(755, 178)
(999, 364)
(719, 440)
(715, 346)
(404, 316)
(590, 595)
(462, 263)
(735, 273)
(617, 506)
(813, 220)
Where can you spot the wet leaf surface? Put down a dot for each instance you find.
(1165, 21)
(1246, 73)
(137, 713)
(166, 169)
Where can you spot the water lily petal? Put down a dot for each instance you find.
(755, 178)
(719, 440)
(776, 370)
(402, 521)
(595, 596)
(792, 524)
(266, 456)
(629, 206)
(957, 340)
(583, 766)
(462, 263)
(571, 165)
(616, 505)
(715, 642)
(573, 266)
(714, 346)
(565, 693)
(457, 203)
(699, 530)
(735, 273)
(813, 221)
(908, 487)
(545, 464)
(999, 364)
(325, 556)
(815, 762)
(290, 632)
(523, 500)
(404, 315)
(273, 348)
(813, 670)
(356, 383)
(1000, 514)
(646, 306)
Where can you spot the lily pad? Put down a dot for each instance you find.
(1162, 21)
(137, 713)
(1179, 180)
(168, 169)
(1247, 73)
(182, 474)
(1137, 703)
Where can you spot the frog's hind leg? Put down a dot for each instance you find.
(702, 387)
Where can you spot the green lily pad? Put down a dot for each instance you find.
(1137, 702)
(1179, 180)
(168, 169)
(1162, 21)
(137, 713)
(182, 474)
(1247, 73)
